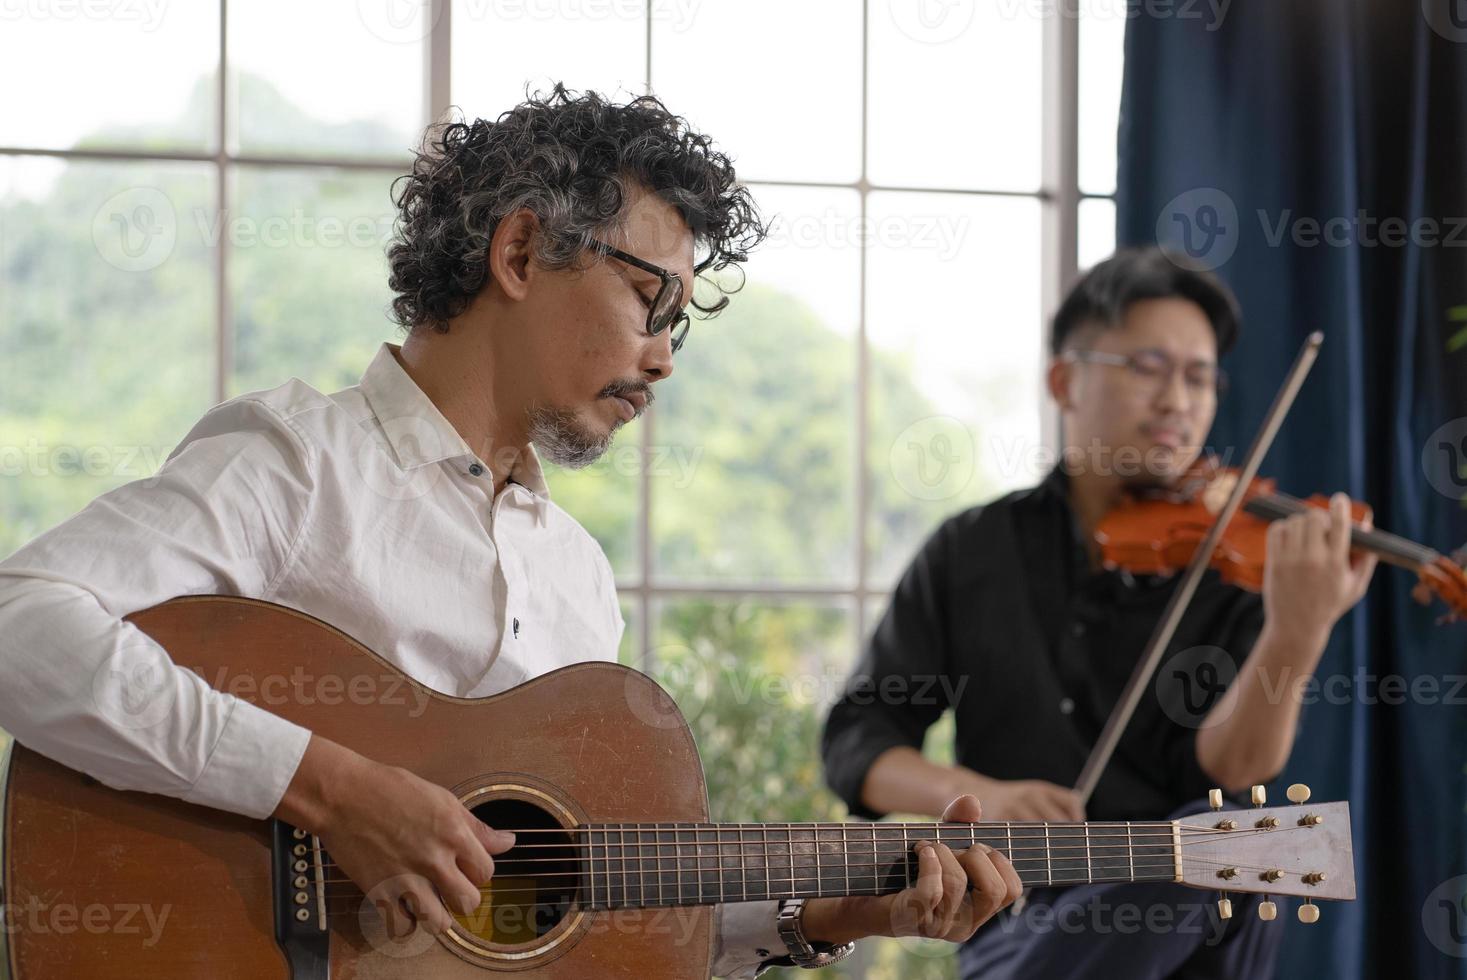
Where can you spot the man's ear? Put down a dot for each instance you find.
(1058, 379)
(509, 252)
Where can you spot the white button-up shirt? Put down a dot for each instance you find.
(364, 508)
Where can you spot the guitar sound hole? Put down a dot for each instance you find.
(535, 882)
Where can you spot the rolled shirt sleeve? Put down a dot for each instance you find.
(748, 940)
(94, 693)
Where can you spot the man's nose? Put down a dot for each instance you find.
(657, 357)
(1174, 395)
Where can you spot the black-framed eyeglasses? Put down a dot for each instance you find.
(1157, 367)
(666, 309)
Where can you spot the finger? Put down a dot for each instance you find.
(986, 886)
(1050, 803)
(1340, 521)
(457, 890)
(1363, 566)
(394, 917)
(929, 878)
(1290, 529)
(494, 841)
(1316, 538)
(965, 809)
(1013, 884)
(476, 856)
(1074, 809)
(954, 890)
(1063, 803)
(1044, 806)
(1273, 543)
(426, 910)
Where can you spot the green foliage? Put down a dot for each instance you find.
(752, 470)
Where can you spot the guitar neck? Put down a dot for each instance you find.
(665, 864)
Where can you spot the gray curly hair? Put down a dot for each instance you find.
(572, 160)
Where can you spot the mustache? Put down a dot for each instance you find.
(617, 389)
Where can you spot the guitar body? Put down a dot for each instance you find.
(102, 883)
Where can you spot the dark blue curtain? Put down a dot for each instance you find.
(1315, 153)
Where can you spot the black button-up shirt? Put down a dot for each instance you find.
(1001, 618)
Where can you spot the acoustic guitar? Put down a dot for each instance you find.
(616, 865)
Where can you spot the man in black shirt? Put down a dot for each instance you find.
(1007, 608)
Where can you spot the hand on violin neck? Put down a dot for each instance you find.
(1311, 578)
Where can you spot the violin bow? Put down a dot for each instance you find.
(1166, 627)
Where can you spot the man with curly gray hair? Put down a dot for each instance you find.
(543, 266)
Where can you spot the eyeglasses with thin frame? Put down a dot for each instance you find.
(666, 309)
(1157, 367)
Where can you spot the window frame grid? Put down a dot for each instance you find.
(1059, 196)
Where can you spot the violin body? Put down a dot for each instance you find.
(1158, 532)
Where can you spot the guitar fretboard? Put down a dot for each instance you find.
(662, 864)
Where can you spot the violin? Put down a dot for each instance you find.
(1156, 532)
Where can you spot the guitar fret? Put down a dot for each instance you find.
(819, 890)
(743, 864)
(678, 846)
(845, 850)
(1089, 868)
(876, 863)
(641, 868)
(1048, 863)
(789, 846)
(590, 835)
(1131, 850)
(768, 881)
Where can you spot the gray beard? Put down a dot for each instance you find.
(563, 440)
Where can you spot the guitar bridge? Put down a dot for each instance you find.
(298, 890)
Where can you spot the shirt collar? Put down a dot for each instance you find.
(416, 430)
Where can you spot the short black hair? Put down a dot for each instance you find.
(1148, 272)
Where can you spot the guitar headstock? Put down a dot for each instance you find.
(1302, 849)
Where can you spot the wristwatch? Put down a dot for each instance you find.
(802, 952)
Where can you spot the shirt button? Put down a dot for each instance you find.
(1078, 629)
(475, 469)
(516, 629)
(1067, 706)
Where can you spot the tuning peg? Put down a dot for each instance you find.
(1267, 911)
(1224, 907)
(1297, 793)
(1308, 912)
(1214, 799)
(1260, 796)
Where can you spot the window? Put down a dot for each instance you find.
(211, 220)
